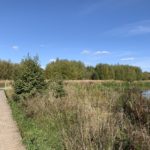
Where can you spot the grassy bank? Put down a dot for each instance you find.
(37, 133)
(91, 116)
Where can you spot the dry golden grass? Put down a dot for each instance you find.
(90, 117)
(92, 81)
(83, 117)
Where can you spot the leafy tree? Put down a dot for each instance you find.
(7, 70)
(105, 71)
(118, 72)
(91, 73)
(65, 69)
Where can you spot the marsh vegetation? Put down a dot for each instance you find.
(52, 114)
(89, 116)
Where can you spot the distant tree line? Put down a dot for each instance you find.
(146, 76)
(8, 70)
(76, 70)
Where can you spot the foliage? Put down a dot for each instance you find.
(118, 72)
(57, 88)
(8, 70)
(91, 73)
(146, 76)
(72, 70)
(65, 69)
(105, 71)
(76, 70)
(30, 78)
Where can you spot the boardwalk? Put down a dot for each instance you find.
(10, 138)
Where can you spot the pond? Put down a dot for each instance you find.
(146, 94)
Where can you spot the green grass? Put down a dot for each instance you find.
(37, 134)
(142, 85)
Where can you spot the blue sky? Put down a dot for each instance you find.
(93, 31)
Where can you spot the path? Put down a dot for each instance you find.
(10, 138)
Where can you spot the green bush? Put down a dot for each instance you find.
(30, 78)
(57, 88)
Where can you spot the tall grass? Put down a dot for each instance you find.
(90, 117)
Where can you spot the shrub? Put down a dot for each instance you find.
(30, 78)
(57, 88)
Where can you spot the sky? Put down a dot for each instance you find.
(91, 31)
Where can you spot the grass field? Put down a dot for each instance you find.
(93, 115)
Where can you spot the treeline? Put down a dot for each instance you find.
(8, 70)
(118, 72)
(146, 76)
(76, 70)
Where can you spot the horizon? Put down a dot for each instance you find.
(90, 31)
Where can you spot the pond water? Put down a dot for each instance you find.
(146, 94)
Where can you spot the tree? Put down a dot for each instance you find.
(105, 71)
(118, 72)
(30, 78)
(91, 73)
(65, 69)
(7, 70)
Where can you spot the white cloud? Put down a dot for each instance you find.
(15, 47)
(52, 60)
(127, 59)
(101, 52)
(85, 52)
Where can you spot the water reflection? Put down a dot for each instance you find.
(146, 94)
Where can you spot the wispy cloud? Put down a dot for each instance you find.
(127, 59)
(15, 47)
(85, 52)
(140, 29)
(95, 53)
(101, 52)
(132, 29)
